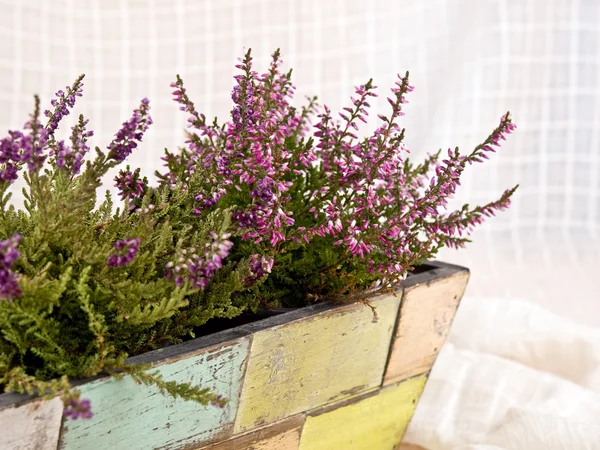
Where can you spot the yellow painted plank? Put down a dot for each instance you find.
(32, 426)
(282, 435)
(374, 423)
(316, 360)
(426, 314)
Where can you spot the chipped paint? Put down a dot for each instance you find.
(283, 435)
(132, 417)
(425, 318)
(310, 362)
(32, 426)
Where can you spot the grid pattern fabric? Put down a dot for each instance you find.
(470, 61)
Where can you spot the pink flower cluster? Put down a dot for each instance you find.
(362, 193)
(249, 153)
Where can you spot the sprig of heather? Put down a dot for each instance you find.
(249, 154)
(71, 158)
(450, 229)
(32, 145)
(79, 147)
(131, 133)
(9, 253)
(63, 101)
(198, 129)
(262, 121)
(23, 147)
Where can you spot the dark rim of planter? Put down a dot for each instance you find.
(424, 274)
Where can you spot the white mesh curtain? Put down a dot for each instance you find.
(470, 61)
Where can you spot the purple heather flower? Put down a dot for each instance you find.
(64, 101)
(217, 402)
(61, 152)
(259, 267)
(131, 133)
(198, 267)
(9, 288)
(78, 409)
(19, 148)
(79, 148)
(245, 219)
(10, 156)
(66, 157)
(33, 145)
(127, 250)
(130, 185)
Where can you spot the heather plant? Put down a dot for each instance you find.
(332, 216)
(83, 287)
(278, 206)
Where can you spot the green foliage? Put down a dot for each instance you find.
(77, 316)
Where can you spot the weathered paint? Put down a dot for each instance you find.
(314, 361)
(282, 435)
(426, 314)
(377, 422)
(32, 426)
(409, 446)
(130, 416)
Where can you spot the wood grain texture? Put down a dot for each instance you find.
(130, 416)
(426, 314)
(282, 435)
(316, 360)
(376, 422)
(34, 425)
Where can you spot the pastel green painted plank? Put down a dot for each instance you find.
(316, 360)
(32, 426)
(375, 423)
(130, 416)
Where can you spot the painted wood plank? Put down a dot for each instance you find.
(130, 416)
(426, 314)
(409, 446)
(316, 360)
(282, 435)
(372, 423)
(34, 425)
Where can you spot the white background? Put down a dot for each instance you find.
(470, 60)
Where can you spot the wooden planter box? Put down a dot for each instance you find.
(326, 377)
